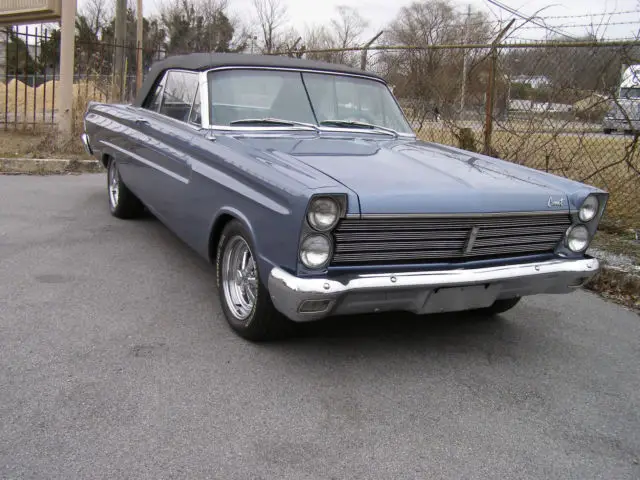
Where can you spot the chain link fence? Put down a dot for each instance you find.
(563, 108)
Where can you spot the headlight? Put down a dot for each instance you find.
(589, 208)
(577, 238)
(315, 251)
(323, 213)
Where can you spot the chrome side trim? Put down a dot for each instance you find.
(204, 98)
(469, 215)
(425, 291)
(143, 160)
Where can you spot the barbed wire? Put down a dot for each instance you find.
(497, 23)
(585, 15)
(573, 25)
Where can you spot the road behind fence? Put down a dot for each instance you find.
(542, 105)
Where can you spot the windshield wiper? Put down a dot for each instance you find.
(351, 124)
(274, 122)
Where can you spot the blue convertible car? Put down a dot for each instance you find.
(306, 187)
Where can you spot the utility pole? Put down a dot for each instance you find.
(464, 60)
(67, 50)
(491, 88)
(139, 31)
(365, 49)
(118, 61)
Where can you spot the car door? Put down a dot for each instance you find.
(164, 139)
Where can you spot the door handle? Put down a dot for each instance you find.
(142, 122)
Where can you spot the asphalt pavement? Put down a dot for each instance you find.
(115, 362)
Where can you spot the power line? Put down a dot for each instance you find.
(573, 25)
(544, 26)
(528, 19)
(585, 15)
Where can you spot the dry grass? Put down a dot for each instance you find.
(42, 140)
(40, 143)
(618, 286)
(594, 159)
(16, 95)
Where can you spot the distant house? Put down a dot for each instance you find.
(534, 81)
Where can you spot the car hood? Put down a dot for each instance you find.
(409, 177)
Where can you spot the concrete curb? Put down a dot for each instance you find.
(47, 166)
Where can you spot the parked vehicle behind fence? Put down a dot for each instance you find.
(624, 113)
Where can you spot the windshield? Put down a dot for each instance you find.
(313, 98)
(630, 92)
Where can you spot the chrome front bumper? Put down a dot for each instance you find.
(85, 143)
(308, 299)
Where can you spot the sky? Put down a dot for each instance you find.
(379, 13)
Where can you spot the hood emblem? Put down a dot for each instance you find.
(551, 203)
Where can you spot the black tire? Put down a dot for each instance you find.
(607, 131)
(262, 322)
(628, 132)
(122, 202)
(500, 306)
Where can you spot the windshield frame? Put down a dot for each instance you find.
(204, 92)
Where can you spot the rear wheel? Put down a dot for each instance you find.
(607, 131)
(245, 300)
(122, 202)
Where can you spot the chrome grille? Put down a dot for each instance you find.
(438, 239)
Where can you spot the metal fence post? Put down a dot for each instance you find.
(491, 87)
(363, 54)
(488, 103)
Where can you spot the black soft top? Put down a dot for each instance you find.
(205, 61)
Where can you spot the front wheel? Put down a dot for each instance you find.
(122, 202)
(245, 300)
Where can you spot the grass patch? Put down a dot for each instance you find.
(618, 286)
(40, 143)
(618, 243)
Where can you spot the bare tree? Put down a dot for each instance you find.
(347, 30)
(348, 27)
(95, 14)
(430, 71)
(344, 31)
(271, 16)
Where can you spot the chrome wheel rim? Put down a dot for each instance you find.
(239, 278)
(114, 185)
